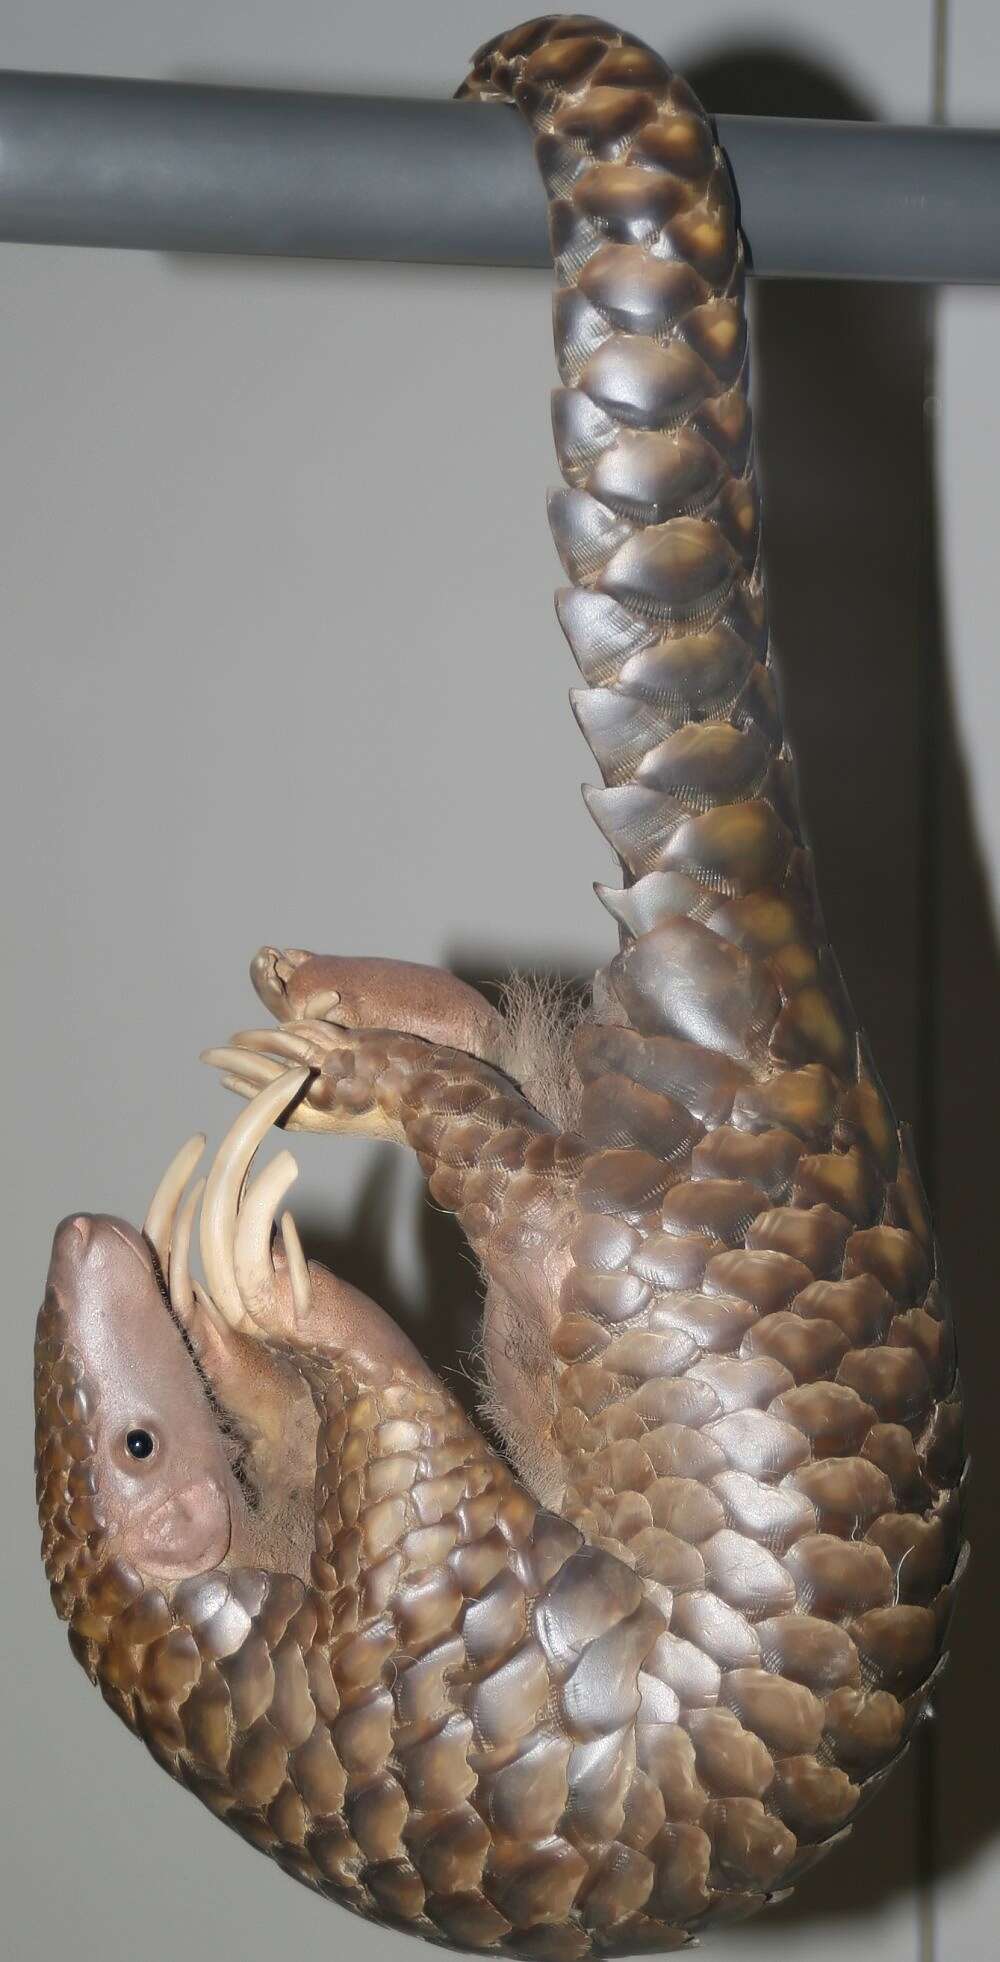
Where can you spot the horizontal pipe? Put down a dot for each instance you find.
(179, 167)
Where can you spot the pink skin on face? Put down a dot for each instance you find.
(173, 1509)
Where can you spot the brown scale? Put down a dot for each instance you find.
(594, 1724)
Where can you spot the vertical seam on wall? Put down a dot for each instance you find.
(930, 869)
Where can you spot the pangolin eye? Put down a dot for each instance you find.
(140, 1443)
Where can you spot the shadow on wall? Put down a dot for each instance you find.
(840, 380)
(851, 545)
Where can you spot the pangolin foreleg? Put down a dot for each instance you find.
(490, 1156)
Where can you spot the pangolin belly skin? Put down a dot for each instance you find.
(599, 1725)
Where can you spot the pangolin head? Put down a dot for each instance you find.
(132, 1463)
(169, 1440)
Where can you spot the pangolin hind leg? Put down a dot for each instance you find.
(371, 993)
(530, 1036)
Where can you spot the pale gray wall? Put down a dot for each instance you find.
(275, 600)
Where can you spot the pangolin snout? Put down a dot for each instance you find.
(90, 1251)
(102, 1303)
(70, 1243)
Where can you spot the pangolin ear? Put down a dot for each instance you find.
(187, 1533)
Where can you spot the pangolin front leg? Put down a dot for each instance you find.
(489, 1155)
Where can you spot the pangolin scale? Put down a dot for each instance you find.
(645, 1681)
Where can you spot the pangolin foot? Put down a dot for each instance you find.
(272, 971)
(365, 991)
(344, 1064)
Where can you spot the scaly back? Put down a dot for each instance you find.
(757, 1404)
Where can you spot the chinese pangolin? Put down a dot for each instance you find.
(636, 1670)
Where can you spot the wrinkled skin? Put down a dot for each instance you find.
(647, 1677)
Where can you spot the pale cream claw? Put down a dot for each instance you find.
(298, 1268)
(257, 1058)
(179, 1282)
(277, 1300)
(254, 1072)
(274, 1042)
(319, 1038)
(209, 1310)
(303, 1118)
(225, 1190)
(158, 1225)
(247, 1292)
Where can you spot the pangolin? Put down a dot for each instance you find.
(638, 1671)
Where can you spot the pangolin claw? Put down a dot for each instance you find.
(237, 1220)
(255, 1058)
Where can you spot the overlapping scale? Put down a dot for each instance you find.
(791, 1236)
(555, 1736)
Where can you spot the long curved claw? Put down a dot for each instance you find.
(256, 1058)
(237, 1218)
(298, 1268)
(158, 1225)
(179, 1282)
(255, 1222)
(318, 1036)
(247, 1083)
(221, 1203)
(255, 1071)
(275, 1042)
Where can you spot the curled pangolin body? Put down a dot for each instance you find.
(543, 1734)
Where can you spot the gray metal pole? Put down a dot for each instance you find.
(166, 166)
